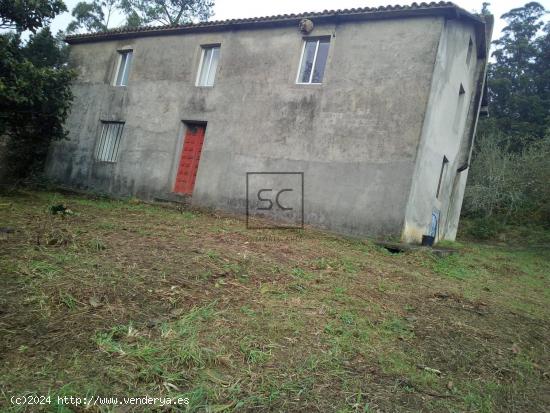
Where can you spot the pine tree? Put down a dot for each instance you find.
(516, 78)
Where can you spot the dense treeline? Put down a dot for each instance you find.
(509, 181)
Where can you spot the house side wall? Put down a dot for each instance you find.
(355, 137)
(446, 133)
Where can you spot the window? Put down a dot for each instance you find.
(313, 61)
(470, 50)
(208, 65)
(441, 174)
(124, 65)
(459, 108)
(109, 141)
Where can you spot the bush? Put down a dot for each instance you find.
(483, 228)
(534, 176)
(512, 187)
(491, 189)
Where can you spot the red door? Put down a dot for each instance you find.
(190, 156)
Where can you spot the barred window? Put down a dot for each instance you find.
(108, 142)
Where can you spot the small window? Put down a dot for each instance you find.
(124, 65)
(470, 50)
(459, 108)
(109, 141)
(208, 66)
(441, 175)
(313, 61)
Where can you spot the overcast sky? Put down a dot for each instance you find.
(230, 9)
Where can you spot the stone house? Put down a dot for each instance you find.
(363, 120)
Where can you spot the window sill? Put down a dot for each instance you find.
(309, 84)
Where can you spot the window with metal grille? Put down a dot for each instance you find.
(313, 61)
(209, 64)
(108, 142)
(124, 65)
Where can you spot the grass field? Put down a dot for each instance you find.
(127, 299)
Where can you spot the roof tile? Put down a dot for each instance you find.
(134, 32)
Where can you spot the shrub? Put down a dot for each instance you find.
(483, 228)
(508, 186)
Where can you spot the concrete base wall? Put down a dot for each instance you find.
(332, 200)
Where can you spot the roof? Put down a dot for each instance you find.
(442, 8)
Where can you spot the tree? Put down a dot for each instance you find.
(28, 15)
(517, 102)
(45, 50)
(96, 16)
(542, 71)
(35, 93)
(166, 12)
(92, 17)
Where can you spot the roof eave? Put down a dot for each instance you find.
(448, 11)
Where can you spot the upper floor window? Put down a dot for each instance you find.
(108, 143)
(124, 65)
(313, 61)
(209, 64)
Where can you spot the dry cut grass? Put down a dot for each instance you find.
(126, 299)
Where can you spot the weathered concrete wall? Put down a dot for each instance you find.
(355, 137)
(446, 135)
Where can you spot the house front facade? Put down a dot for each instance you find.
(373, 110)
